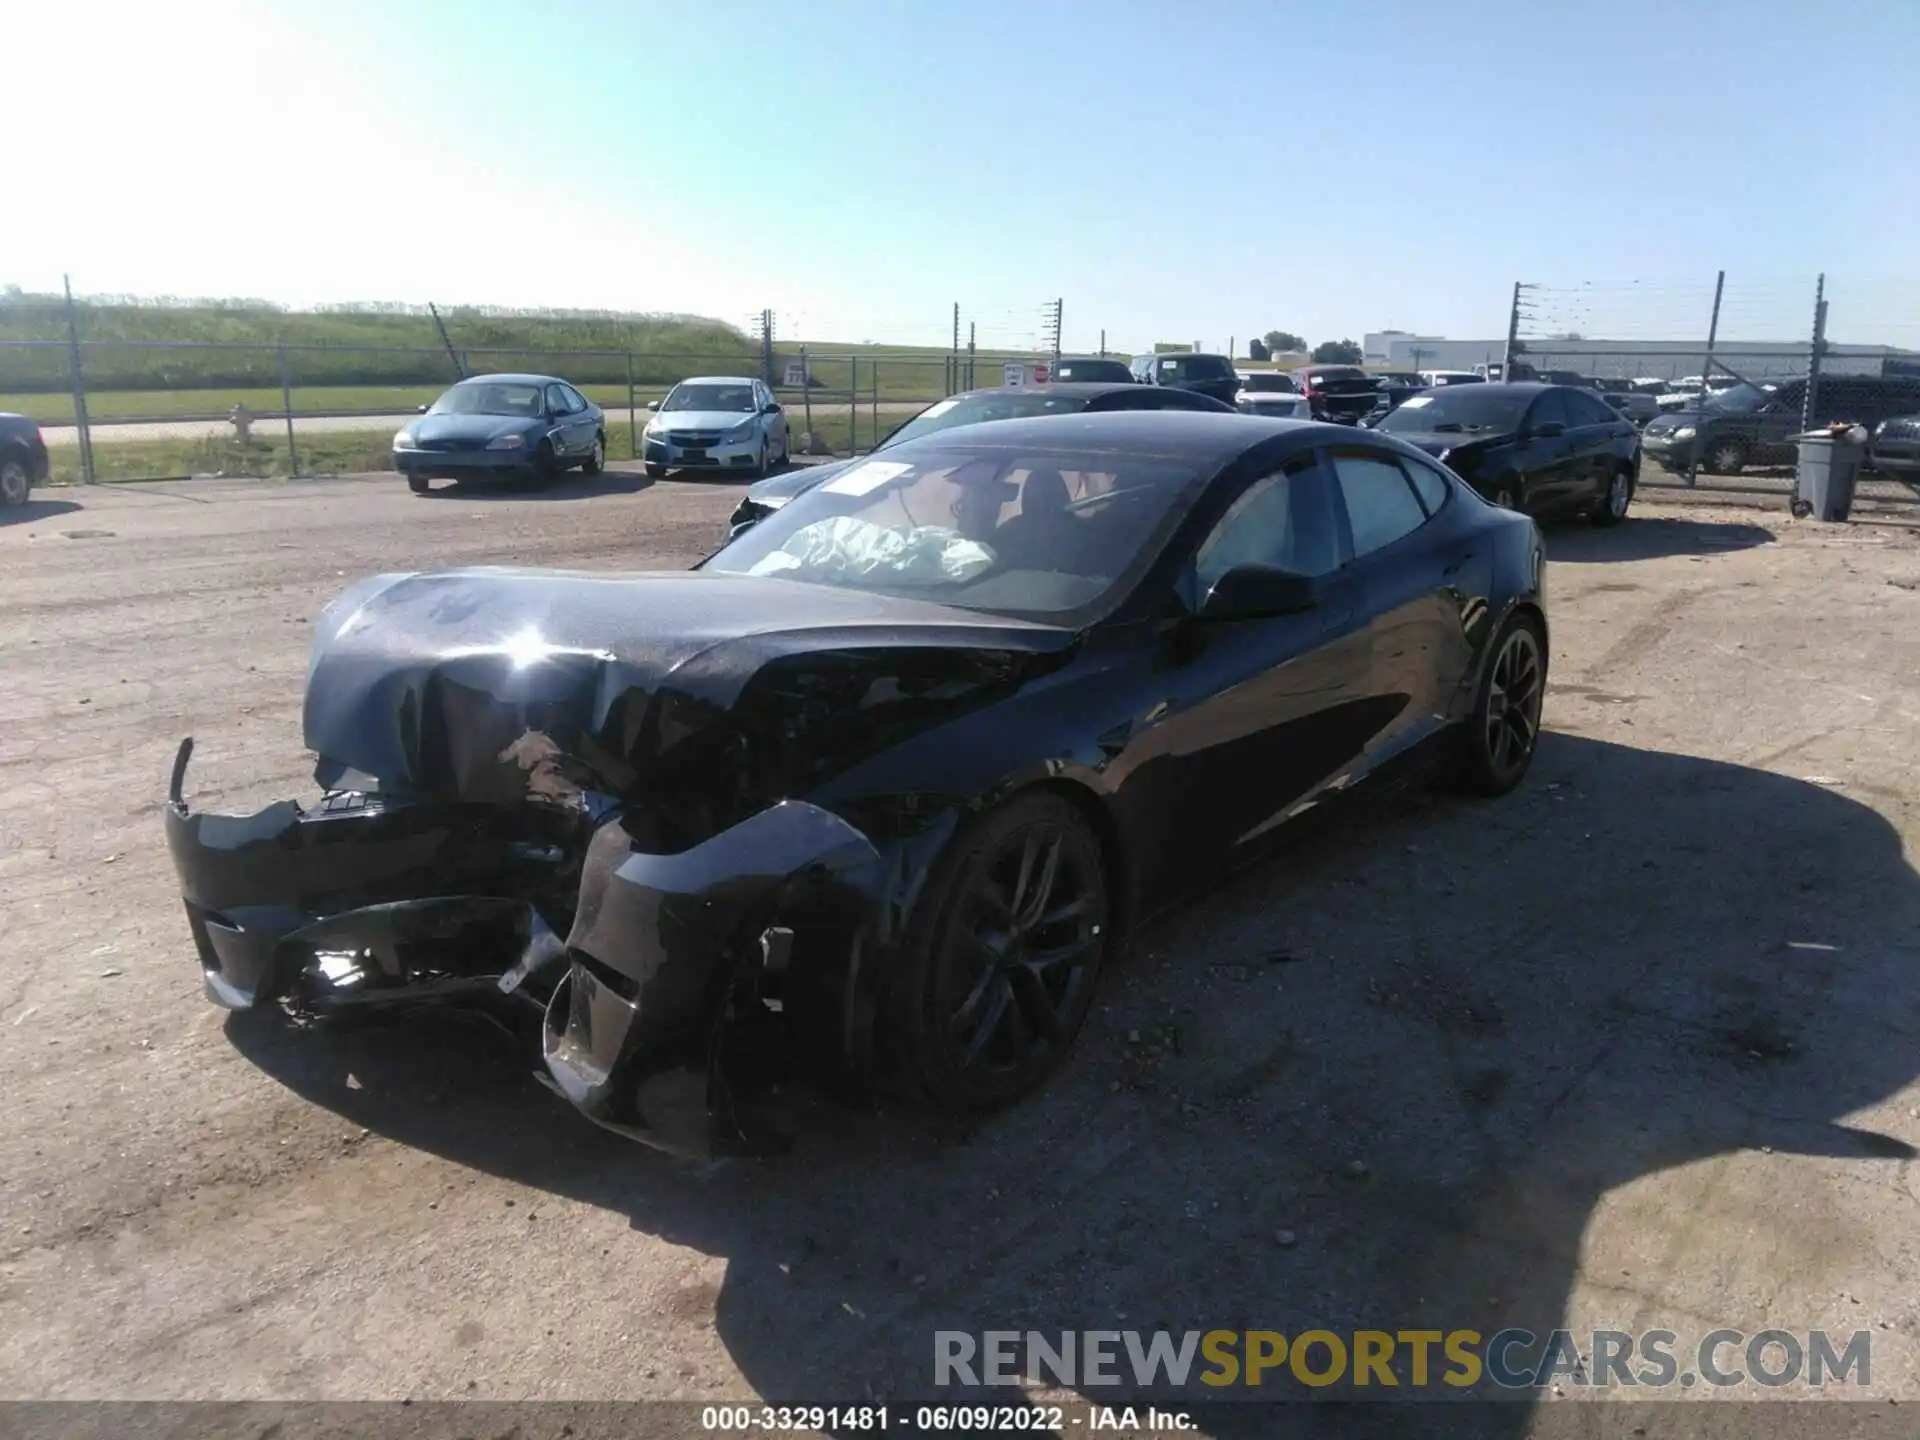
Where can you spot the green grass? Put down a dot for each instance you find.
(345, 452)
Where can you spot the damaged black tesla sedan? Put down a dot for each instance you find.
(867, 797)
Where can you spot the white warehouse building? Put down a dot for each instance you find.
(1625, 359)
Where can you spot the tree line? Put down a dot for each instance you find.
(1285, 342)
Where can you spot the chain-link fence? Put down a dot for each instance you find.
(118, 397)
(1722, 372)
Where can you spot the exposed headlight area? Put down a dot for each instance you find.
(1685, 432)
(403, 440)
(507, 442)
(740, 433)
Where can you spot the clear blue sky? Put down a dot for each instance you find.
(1173, 170)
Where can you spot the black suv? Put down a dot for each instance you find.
(1212, 375)
(1749, 425)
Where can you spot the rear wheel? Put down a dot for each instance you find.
(1612, 508)
(14, 483)
(1504, 730)
(1002, 970)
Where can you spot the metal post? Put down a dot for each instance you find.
(806, 391)
(459, 360)
(286, 406)
(1807, 410)
(1059, 323)
(81, 427)
(766, 346)
(1706, 365)
(1103, 344)
(853, 406)
(1513, 335)
(633, 419)
(875, 382)
(970, 351)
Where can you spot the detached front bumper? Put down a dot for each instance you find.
(659, 1013)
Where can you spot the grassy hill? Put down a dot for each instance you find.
(218, 344)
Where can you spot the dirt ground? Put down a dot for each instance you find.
(1634, 1047)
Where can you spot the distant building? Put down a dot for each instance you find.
(1630, 359)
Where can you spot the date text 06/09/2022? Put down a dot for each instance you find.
(930, 1419)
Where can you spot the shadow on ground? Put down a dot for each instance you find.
(571, 485)
(36, 509)
(1651, 537)
(1505, 1012)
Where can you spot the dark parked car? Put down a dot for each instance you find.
(23, 458)
(1894, 449)
(1392, 388)
(1212, 375)
(973, 408)
(1544, 449)
(1630, 400)
(1569, 377)
(1267, 382)
(1755, 425)
(1082, 370)
(1340, 393)
(876, 791)
(514, 428)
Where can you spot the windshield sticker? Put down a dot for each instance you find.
(865, 479)
(1416, 402)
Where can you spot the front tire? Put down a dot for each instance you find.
(656, 472)
(1613, 505)
(1724, 457)
(15, 484)
(1001, 972)
(596, 460)
(760, 466)
(418, 484)
(1503, 731)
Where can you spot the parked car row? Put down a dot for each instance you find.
(1747, 425)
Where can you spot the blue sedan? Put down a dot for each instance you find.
(516, 429)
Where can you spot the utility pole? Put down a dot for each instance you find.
(459, 365)
(1051, 321)
(1103, 344)
(1513, 333)
(1807, 410)
(81, 427)
(970, 352)
(766, 347)
(1706, 365)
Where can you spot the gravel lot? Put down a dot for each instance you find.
(1633, 1047)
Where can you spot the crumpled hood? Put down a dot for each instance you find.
(466, 429)
(487, 683)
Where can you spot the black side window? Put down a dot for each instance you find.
(557, 401)
(1430, 483)
(1550, 409)
(1285, 520)
(1588, 410)
(1381, 504)
(575, 399)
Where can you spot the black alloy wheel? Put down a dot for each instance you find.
(1504, 731)
(1005, 972)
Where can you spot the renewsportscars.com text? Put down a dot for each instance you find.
(1512, 1359)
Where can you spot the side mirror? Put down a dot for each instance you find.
(1249, 592)
(1547, 431)
(773, 408)
(419, 409)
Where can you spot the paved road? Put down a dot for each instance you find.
(197, 429)
(1634, 1046)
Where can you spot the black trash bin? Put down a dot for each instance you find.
(1828, 470)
